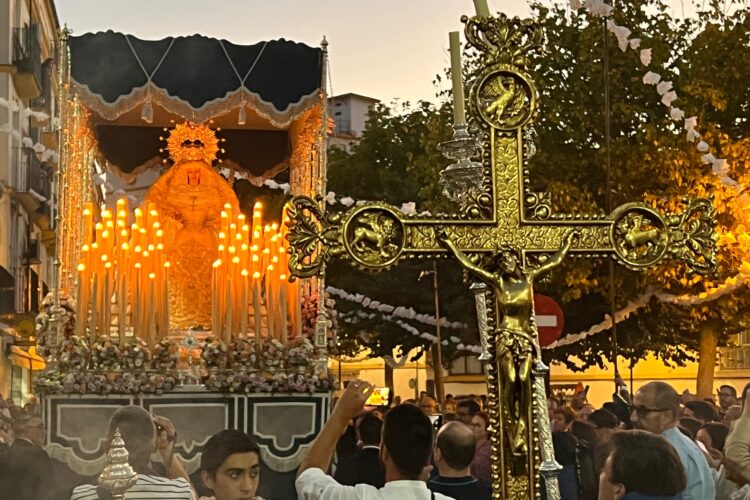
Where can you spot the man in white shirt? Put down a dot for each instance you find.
(143, 435)
(404, 450)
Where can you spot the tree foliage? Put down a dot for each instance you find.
(708, 61)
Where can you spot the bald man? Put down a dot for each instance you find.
(656, 407)
(454, 452)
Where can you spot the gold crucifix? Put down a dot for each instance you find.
(506, 236)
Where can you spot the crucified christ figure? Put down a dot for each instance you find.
(515, 334)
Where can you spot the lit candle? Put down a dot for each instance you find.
(122, 305)
(151, 316)
(283, 309)
(243, 307)
(298, 307)
(481, 7)
(459, 115)
(215, 315)
(164, 327)
(93, 317)
(256, 307)
(228, 305)
(82, 306)
(107, 299)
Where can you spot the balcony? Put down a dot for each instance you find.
(44, 101)
(33, 187)
(27, 55)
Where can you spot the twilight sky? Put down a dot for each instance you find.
(380, 48)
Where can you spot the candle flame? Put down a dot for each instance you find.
(137, 265)
(258, 205)
(121, 213)
(81, 268)
(217, 263)
(150, 248)
(151, 276)
(221, 248)
(255, 258)
(228, 205)
(86, 211)
(138, 249)
(222, 235)
(125, 246)
(235, 260)
(138, 212)
(160, 246)
(167, 264)
(105, 234)
(282, 277)
(104, 258)
(153, 213)
(244, 273)
(99, 226)
(224, 215)
(256, 275)
(107, 265)
(85, 248)
(159, 233)
(244, 247)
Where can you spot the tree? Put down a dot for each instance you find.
(397, 161)
(691, 53)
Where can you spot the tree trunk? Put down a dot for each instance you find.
(389, 376)
(709, 339)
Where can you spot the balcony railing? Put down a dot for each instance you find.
(27, 58)
(32, 174)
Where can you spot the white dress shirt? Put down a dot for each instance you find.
(314, 484)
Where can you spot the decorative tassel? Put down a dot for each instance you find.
(147, 114)
(242, 119)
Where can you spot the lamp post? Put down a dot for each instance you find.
(437, 346)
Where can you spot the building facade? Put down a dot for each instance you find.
(349, 113)
(28, 32)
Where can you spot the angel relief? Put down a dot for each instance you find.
(503, 99)
(189, 199)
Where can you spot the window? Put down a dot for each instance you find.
(467, 365)
(737, 356)
(337, 113)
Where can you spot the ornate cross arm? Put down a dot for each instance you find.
(376, 236)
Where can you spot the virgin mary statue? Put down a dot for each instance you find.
(189, 198)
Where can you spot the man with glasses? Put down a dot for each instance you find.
(466, 409)
(727, 398)
(656, 408)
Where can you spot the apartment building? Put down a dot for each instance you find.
(28, 33)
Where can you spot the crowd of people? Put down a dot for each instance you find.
(660, 445)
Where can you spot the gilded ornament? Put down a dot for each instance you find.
(192, 142)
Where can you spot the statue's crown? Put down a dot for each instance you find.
(190, 141)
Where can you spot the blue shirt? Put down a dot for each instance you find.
(700, 481)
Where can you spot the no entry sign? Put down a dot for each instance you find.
(549, 319)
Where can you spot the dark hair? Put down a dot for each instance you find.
(703, 410)
(565, 447)
(407, 435)
(744, 391)
(470, 404)
(370, 427)
(718, 434)
(137, 430)
(584, 431)
(691, 425)
(646, 463)
(457, 445)
(567, 412)
(222, 445)
(730, 387)
(604, 419)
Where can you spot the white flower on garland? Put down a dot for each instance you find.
(651, 78)
(347, 201)
(598, 8)
(664, 87)
(645, 56)
(676, 114)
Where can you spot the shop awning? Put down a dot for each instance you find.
(27, 359)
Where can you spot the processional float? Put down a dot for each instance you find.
(171, 292)
(505, 236)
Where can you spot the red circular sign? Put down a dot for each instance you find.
(549, 319)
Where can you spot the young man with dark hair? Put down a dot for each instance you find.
(642, 466)
(138, 429)
(466, 409)
(656, 407)
(454, 452)
(404, 450)
(230, 466)
(364, 467)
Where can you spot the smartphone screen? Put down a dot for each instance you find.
(437, 421)
(379, 397)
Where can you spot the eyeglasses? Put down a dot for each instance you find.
(642, 411)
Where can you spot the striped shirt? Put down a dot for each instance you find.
(146, 488)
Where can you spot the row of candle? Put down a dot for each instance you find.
(252, 268)
(125, 262)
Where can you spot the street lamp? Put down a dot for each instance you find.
(437, 351)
